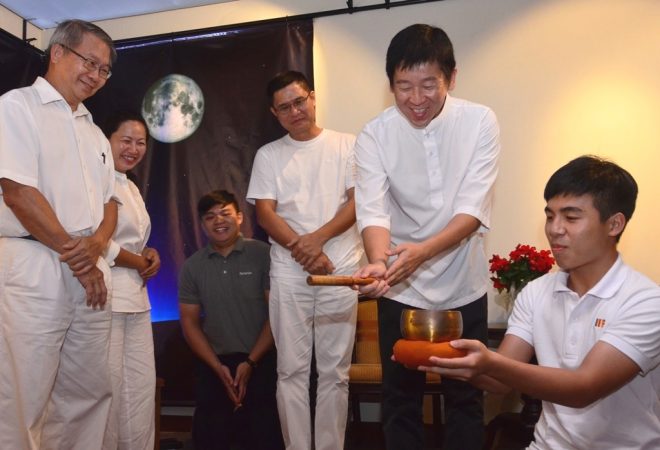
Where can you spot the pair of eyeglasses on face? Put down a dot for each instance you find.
(104, 71)
(300, 104)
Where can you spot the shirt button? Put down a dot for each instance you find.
(224, 271)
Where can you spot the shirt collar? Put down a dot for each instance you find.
(239, 246)
(444, 112)
(436, 121)
(48, 94)
(606, 287)
(121, 177)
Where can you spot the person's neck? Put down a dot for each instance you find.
(308, 134)
(225, 249)
(582, 279)
(53, 82)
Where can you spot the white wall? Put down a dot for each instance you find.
(13, 24)
(564, 78)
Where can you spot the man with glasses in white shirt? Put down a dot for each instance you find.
(57, 213)
(302, 186)
(426, 169)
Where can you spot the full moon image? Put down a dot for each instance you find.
(173, 108)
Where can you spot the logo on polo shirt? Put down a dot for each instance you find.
(244, 273)
(600, 323)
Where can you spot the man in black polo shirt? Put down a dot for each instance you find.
(223, 304)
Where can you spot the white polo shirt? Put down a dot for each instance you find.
(309, 180)
(129, 294)
(413, 181)
(623, 309)
(61, 153)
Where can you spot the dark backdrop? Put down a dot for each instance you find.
(20, 63)
(232, 68)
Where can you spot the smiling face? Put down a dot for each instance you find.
(583, 245)
(67, 72)
(129, 144)
(221, 225)
(420, 92)
(295, 109)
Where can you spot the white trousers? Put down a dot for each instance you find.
(132, 371)
(54, 382)
(305, 318)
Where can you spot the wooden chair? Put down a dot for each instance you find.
(365, 372)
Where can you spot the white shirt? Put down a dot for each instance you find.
(309, 180)
(623, 309)
(413, 181)
(61, 153)
(132, 233)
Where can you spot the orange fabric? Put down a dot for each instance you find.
(417, 353)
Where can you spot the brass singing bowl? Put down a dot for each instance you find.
(432, 326)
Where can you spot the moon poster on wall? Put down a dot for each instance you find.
(173, 108)
(203, 96)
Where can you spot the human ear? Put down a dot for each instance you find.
(56, 52)
(452, 81)
(616, 224)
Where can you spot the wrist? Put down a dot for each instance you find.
(319, 235)
(380, 261)
(144, 264)
(427, 250)
(250, 362)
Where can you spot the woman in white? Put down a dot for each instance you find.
(132, 368)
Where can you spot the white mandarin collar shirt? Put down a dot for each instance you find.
(414, 181)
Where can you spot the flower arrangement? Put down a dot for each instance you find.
(524, 264)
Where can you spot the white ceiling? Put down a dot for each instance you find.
(48, 13)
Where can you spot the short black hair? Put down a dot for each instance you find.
(115, 119)
(217, 197)
(283, 79)
(419, 44)
(612, 188)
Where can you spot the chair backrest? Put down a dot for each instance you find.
(366, 361)
(366, 333)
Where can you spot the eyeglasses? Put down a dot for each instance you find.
(300, 104)
(104, 71)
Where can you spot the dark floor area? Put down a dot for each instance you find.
(507, 434)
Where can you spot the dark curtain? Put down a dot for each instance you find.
(20, 63)
(232, 68)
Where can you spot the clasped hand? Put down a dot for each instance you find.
(409, 256)
(236, 387)
(82, 254)
(307, 250)
(153, 260)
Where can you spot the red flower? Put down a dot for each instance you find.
(525, 263)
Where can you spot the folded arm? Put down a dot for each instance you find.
(307, 247)
(38, 217)
(82, 253)
(280, 231)
(35, 214)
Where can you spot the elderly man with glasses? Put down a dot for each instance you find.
(57, 212)
(302, 186)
